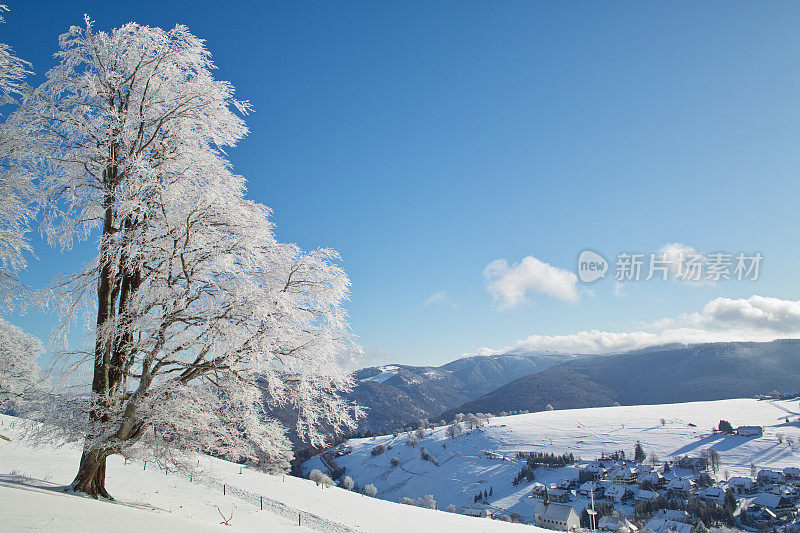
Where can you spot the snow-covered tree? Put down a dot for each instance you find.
(16, 191)
(200, 315)
(19, 373)
(348, 483)
(370, 490)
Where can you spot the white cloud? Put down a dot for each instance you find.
(758, 319)
(439, 299)
(510, 285)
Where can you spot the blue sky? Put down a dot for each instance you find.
(425, 140)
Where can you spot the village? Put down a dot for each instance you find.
(683, 495)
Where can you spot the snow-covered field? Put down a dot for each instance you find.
(32, 499)
(464, 468)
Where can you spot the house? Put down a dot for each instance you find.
(591, 486)
(673, 515)
(712, 494)
(646, 496)
(565, 484)
(556, 516)
(750, 431)
(773, 502)
(791, 472)
(693, 463)
(680, 487)
(624, 475)
(741, 484)
(762, 515)
(771, 476)
(653, 479)
(595, 471)
(617, 493)
(537, 490)
(791, 493)
(616, 523)
(662, 525)
(476, 511)
(559, 495)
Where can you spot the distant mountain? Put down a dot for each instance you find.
(397, 395)
(667, 374)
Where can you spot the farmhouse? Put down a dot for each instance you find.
(654, 479)
(559, 495)
(750, 431)
(476, 511)
(771, 476)
(662, 525)
(617, 493)
(556, 516)
(773, 502)
(674, 515)
(741, 484)
(590, 486)
(646, 496)
(791, 472)
(624, 474)
(762, 515)
(712, 494)
(680, 487)
(595, 471)
(616, 523)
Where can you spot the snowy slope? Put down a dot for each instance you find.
(464, 469)
(150, 500)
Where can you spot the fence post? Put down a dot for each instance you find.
(223, 489)
(299, 515)
(145, 466)
(261, 498)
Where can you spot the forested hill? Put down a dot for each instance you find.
(661, 375)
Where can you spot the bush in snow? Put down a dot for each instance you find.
(389, 447)
(370, 490)
(549, 408)
(451, 508)
(453, 431)
(420, 433)
(412, 441)
(394, 461)
(424, 454)
(434, 460)
(315, 476)
(348, 483)
(405, 500)
(427, 502)
(379, 449)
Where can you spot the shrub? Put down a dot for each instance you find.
(451, 508)
(405, 500)
(394, 461)
(424, 454)
(548, 407)
(379, 449)
(370, 490)
(412, 441)
(427, 502)
(348, 483)
(420, 433)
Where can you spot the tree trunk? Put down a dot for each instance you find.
(91, 478)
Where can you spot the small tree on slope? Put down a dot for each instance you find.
(199, 314)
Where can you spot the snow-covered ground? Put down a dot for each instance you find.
(464, 468)
(32, 499)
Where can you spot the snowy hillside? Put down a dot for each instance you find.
(464, 468)
(32, 479)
